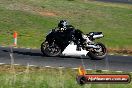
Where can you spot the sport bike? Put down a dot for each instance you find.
(64, 42)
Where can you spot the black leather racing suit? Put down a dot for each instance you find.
(75, 35)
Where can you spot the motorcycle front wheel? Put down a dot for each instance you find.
(50, 49)
(98, 54)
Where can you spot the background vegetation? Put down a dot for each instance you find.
(32, 19)
(40, 77)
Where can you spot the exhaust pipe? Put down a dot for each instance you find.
(98, 36)
(93, 46)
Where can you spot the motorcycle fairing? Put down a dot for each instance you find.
(70, 50)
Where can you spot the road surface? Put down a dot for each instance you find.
(34, 57)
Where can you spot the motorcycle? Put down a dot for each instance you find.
(62, 42)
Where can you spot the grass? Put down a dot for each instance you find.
(33, 19)
(40, 77)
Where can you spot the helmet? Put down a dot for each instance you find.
(62, 24)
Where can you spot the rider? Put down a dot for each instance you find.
(74, 33)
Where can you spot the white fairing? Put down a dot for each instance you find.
(97, 36)
(70, 50)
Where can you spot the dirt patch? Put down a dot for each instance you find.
(21, 69)
(46, 13)
(30, 9)
(120, 51)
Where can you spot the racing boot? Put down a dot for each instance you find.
(78, 48)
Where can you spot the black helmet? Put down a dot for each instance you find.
(62, 24)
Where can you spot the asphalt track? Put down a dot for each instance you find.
(34, 57)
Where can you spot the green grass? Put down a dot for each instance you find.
(40, 77)
(113, 19)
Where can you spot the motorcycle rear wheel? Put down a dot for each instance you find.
(50, 49)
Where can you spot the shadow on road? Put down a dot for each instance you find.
(41, 55)
(26, 53)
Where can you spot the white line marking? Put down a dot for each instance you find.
(61, 67)
(47, 66)
(16, 64)
(89, 69)
(32, 65)
(74, 68)
(52, 67)
(2, 63)
(28, 48)
(111, 54)
(125, 55)
(15, 47)
(105, 70)
(118, 71)
(3, 46)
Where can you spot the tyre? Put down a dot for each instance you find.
(98, 54)
(50, 49)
